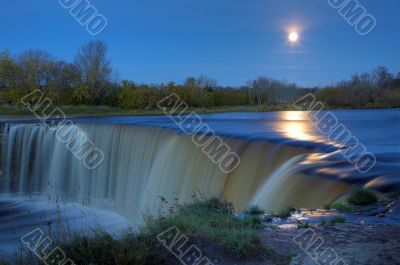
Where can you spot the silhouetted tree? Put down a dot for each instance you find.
(205, 83)
(95, 66)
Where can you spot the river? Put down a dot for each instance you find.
(150, 163)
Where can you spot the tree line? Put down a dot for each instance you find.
(88, 80)
(376, 89)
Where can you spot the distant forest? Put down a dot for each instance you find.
(89, 81)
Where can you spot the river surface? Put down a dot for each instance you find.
(377, 130)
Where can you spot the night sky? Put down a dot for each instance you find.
(232, 41)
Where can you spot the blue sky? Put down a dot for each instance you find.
(232, 41)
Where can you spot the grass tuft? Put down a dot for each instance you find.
(337, 220)
(255, 210)
(362, 197)
(253, 221)
(303, 225)
(287, 212)
(204, 221)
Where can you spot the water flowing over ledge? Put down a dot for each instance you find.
(283, 163)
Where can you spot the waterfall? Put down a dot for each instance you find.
(142, 164)
(3, 154)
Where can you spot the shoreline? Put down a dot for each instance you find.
(105, 111)
(290, 237)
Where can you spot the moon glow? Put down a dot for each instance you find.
(293, 37)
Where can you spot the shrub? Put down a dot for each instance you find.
(362, 197)
(328, 206)
(254, 210)
(285, 213)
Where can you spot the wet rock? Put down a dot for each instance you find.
(370, 235)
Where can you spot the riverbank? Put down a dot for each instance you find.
(208, 230)
(361, 235)
(110, 111)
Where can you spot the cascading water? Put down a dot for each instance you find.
(143, 164)
(284, 162)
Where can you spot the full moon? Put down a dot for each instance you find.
(293, 37)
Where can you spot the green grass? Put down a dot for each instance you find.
(208, 223)
(303, 225)
(213, 220)
(339, 206)
(337, 220)
(362, 197)
(110, 111)
(253, 221)
(286, 212)
(254, 210)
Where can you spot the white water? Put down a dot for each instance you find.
(143, 163)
